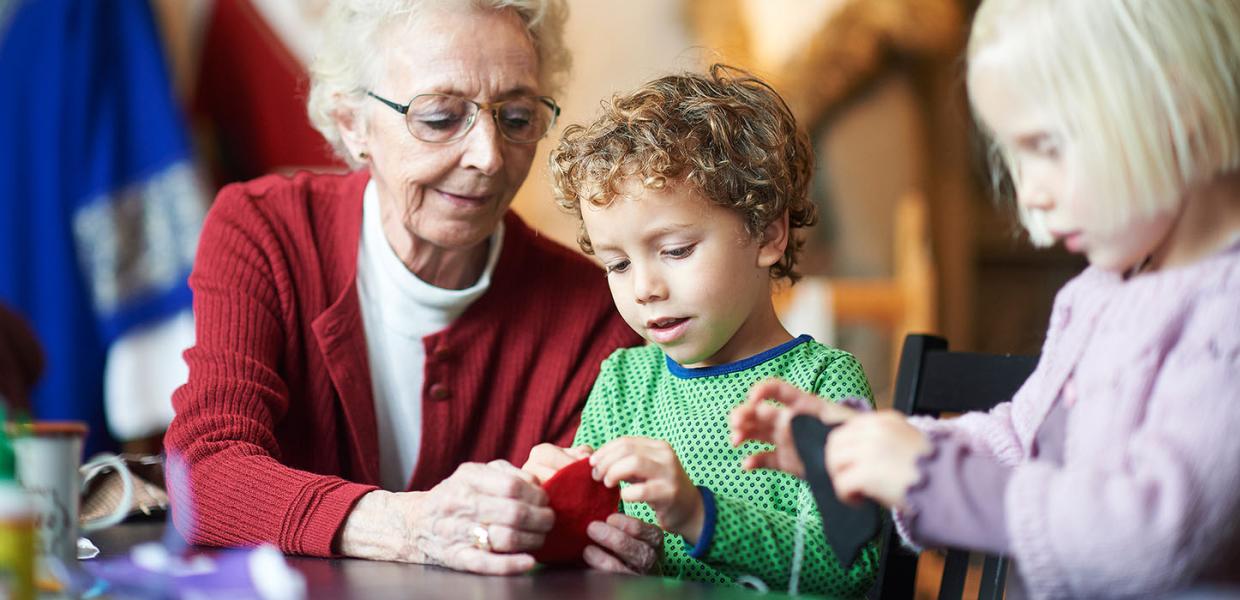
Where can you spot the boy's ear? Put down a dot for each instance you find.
(774, 242)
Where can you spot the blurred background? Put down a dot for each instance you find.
(122, 118)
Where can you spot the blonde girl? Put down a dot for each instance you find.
(1115, 470)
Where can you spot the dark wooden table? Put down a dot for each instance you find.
(345, 579)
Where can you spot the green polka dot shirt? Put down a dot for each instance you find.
(759, 514)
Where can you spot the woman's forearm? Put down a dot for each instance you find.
(383, 526)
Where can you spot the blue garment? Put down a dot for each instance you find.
(99, 205)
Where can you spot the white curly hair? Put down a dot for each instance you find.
(347, 63)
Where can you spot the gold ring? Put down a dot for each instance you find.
(482, 537)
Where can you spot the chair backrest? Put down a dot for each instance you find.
(932, 380)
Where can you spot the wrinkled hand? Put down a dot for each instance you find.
(875, 456)
(624, 545)
(757, 419)
(546, 459)
(655, 476)
(438, 526)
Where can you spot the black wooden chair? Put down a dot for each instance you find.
(932, 380)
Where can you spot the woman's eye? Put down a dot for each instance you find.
(618, 267)
(680, 251)
(516, 117)
(438, 120)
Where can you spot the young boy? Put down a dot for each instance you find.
(689, 190)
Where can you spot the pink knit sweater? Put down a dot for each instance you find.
(1148, 496)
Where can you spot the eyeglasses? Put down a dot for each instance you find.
(443, 118)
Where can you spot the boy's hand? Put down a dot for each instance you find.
(655, 477)
(546, 459)
(762, 421)
(875, 456)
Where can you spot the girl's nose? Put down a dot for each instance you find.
(1035, 199)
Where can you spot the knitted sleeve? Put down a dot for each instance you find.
(1156, 516)
(235, 491)
(993, 432)
(761, 541)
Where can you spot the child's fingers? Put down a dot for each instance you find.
(849, 485)
(828, 412)
(763, 460)
(633, 468)
(580, 452)
(798, 401)
(784, 393)
(741, 423)
(601, 459)
(760, 460)
(548, 456)
(620, 449)
(754, 421)
(638, 492)
(841, 449)
(621, 446)
(776, 461)
(772, 389)
(540, 472)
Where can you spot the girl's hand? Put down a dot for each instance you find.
(625, 545)
(656, 478)
(875, 455)
(546, 459)
(762, 421)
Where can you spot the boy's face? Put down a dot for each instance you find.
(686, 275)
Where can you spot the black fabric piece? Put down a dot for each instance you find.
(847, 528)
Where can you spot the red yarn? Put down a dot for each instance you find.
(577, 500)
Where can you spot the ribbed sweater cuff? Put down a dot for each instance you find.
(321, 509)
(1031, 533)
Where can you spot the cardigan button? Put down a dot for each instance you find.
(440, 391)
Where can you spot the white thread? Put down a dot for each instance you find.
(753, 582)
(798, 547)
(798, 551)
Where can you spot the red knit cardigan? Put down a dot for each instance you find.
(276, 428)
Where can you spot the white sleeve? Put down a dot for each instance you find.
(143, 368)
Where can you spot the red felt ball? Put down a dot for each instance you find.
(577, 500)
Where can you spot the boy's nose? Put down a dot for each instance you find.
(648, 286)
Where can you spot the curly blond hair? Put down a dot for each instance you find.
(727, 134)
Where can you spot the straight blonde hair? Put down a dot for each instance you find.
(1146, 91)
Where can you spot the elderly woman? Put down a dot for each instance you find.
(375, 350)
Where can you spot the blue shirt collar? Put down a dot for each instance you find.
(683, 372)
